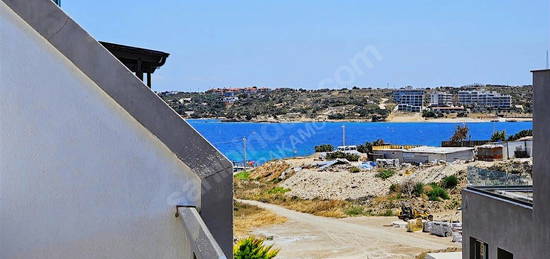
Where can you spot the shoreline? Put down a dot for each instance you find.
(393, 120)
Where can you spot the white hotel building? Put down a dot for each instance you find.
(484, 99)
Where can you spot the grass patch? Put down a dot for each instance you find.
(386, 213)
(437, 193)
(355, 211)
(354, 169)
(449, 182)
(385, 174)
(248, 217)
(244, 175)
(277, 190)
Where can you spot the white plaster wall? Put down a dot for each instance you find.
(79, 177)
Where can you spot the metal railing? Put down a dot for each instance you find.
(202, 242)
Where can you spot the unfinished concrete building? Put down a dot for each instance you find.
(505, 221)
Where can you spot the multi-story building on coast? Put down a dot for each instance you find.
(409, 99)
(484, 99)
(441, 99)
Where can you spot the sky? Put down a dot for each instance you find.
(327, 44)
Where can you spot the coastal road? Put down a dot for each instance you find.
(309, 236)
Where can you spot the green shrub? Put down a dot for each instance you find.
(278, 189)
(498, 136)
(418, 189)
(449, 182)
(521, 134)
(244, 175)
(338, 154)
(387, 213)
(354, 211)
(437, 193)
(385, 174)
(252, 248)
(324, 148)
(354, 169)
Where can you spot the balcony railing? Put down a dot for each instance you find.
(202, 242)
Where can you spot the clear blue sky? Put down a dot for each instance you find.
(301, 43)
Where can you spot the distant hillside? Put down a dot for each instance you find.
(285, 104)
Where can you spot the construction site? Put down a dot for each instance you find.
(411, 192)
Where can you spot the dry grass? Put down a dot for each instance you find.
(248, 217)
(263, 191)
(270, 171)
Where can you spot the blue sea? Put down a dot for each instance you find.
(267, 141)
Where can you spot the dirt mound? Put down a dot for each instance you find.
(516, 166)
(272, 171)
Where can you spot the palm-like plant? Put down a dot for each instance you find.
(252, 248)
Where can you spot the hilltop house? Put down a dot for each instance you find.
(93, 164)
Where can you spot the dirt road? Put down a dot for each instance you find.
(309, 236)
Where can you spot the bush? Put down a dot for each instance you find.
(277, 190)
(355, 211)
(337, 116)
(354, 169)
(395, 187)
(521, 134)
(324, 148)
(338, 154)
(385, 174)
(437, 193)
(249, 248)
(498, 136)
(418, 189)
(244, 175)
(387, 213)
(428, 114)
(449, 182)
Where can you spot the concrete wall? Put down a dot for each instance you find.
(511, 146)
(420, 157)
(541, 163)
(79, 176)
(391, 154)
(460, 155)
(499, 223)
(522, 230)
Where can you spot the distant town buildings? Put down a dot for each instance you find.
(230, 92)
(441, 99)
(409, 99)
(484, 99)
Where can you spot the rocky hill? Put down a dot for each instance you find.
(285, 104)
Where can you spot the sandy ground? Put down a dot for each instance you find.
(340, 184)
(309, 236)
(417, 117)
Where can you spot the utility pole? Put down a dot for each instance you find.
(244, 150)
(547, 59)
(343, 135)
